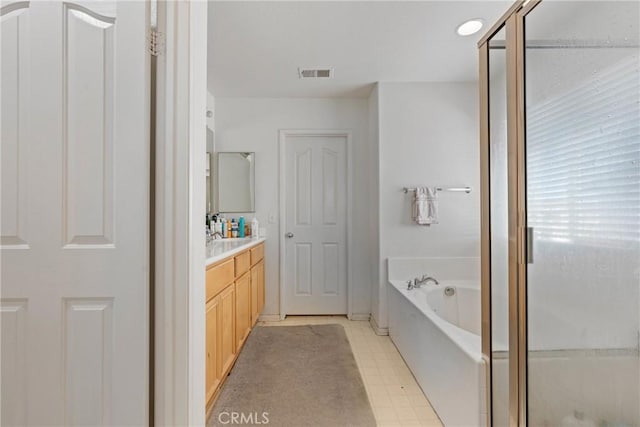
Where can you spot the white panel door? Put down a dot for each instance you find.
(74, 226)
(316, 225)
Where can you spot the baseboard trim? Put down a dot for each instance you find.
(360, 316)
(269, 318)
(378, 330)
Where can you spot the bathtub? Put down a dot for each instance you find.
(438, 336)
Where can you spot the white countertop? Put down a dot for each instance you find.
(222, 248)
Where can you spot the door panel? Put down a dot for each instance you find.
(330, 264)
(227, 327)
(316, 221)
(243, 308)
(303, 269)
(499, 228)
(88, 143)
(261, 290)
(255, 282)
(88, 365)
(74, 234)
(15, 50)
(14, 355)
(583, 209)
(213, 368)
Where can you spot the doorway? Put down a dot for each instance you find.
(314, 242)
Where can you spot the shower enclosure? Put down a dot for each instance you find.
(560, 152)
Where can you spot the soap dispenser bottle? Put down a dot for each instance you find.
(241, 226)
(254, 227)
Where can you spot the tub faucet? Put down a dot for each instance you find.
(419, 282)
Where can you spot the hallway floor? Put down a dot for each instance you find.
(395, 397)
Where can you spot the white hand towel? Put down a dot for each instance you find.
(425, 206)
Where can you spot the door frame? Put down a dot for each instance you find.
(513, 22)
(180, 190)
(283, 135)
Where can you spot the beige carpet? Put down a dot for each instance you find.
(294, 376)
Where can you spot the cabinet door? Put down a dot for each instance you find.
(243, 308)
(226, 328)
(261, 286)
(213, 367)
(255, 282)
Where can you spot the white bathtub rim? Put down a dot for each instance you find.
(468, 342)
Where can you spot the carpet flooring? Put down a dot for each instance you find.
(294, 376)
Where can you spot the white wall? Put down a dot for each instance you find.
(428, 136)
(252, 124)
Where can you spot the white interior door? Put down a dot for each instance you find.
(315, 224)
(74, 227)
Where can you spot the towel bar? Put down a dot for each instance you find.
(451, 189)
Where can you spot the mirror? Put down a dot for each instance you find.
(234, 182)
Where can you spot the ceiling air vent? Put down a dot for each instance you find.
(315, 73)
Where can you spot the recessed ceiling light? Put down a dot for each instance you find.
(469, 27)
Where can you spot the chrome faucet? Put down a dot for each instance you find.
(213, 236)
(419, 282)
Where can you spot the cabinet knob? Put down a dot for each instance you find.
(289, 235)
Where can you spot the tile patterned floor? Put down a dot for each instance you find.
(396, 398)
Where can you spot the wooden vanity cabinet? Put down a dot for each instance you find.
(235, 298)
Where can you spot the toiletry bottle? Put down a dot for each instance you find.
(234, 228)
(241, 227)
(229, 231)
(254, 227)
(223, 227)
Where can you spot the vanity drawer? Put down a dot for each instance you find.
(243, 263)
(219, 277)
(257, 253)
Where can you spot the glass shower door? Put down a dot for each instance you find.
(498, 179)
(582, 115)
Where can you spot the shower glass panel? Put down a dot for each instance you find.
(582, 89)
(499, 229)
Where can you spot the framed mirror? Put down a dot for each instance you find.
(234, 174)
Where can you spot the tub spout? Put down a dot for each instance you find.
(419, 282)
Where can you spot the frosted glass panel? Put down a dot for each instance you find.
(499, 229)
(583, 204)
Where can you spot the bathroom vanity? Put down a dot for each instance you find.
(234, 300)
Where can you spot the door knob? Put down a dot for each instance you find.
(289, 235)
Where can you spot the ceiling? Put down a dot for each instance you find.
(255, 48)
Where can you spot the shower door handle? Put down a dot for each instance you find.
(529, 245)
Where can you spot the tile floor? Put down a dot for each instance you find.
(396, 398)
